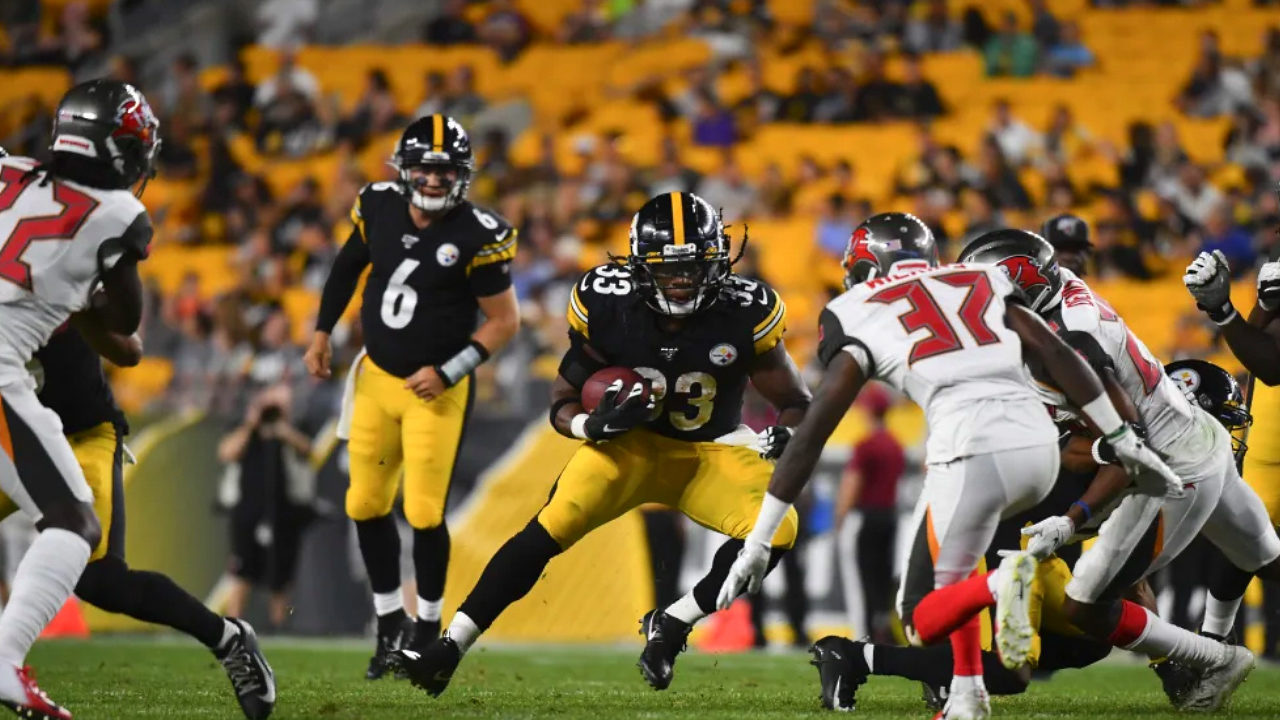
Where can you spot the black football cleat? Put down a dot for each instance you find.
(425, 632)
(384, 659)
(665, 637)
(935, 696)
(251, 676)
(431, 668)
(841, 670)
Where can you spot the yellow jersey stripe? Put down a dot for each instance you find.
(499, 246)
(677, 218)
(495, 252)
(437, 132)
(772, 316)
(357, 219)
(768, 337)
(577, 313)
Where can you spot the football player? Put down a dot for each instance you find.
(954, 339)
(91, 229)
(1140, 533)
(74, 386)
(697, 333)
(438, 261)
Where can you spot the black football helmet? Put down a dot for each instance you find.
(434, 140)
(105, 135)
(679, 255)
(884, 240)
(1027, 259)
(1217, 392)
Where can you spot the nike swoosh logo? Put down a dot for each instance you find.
(608, 428)
(764, 296)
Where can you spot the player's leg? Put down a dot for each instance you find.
(1240, 528)
(375, 458)
(725, 489)
(431, 434)
(600, 482)
(39, 473)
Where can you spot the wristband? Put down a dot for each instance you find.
(555, 406)
(578, 426)
(1098, 456)
(1222, 315)
(772, 512)
(1103, 415)
(461, 365)
(1084, 506)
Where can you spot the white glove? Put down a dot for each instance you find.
(1048, 535)
(773, 440)
(1269, 286)
(1208, 278)
(747, 572)
(1146, 468)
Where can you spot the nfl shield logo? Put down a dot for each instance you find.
(408, 240)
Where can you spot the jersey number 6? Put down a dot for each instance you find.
(399, 300)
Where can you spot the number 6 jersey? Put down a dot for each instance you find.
(56, 238)
(939, 335)
(698, 371)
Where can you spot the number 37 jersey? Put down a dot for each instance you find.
(698, 371)
(56, 238)
(939, 335)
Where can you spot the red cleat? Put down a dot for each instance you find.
(37, 706)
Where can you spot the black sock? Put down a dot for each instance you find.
(933, 665)
(149, 596)
(708, 587)
(380, 548)
(431, 560)
(511, 574)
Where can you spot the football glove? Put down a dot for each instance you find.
(1208, 278)
(773, 440)
(1046, 536)
(619, 412)
(1269, 286)
(1149, 472)
(747, 572)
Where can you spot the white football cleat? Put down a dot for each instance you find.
(972, 704)
(1218, 682)
(1013, 608)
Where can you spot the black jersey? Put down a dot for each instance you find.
(74, 385)
(699, 371)
(419, 306)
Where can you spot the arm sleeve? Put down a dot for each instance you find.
(489, 271)
(769, 331)
(342, 281)
(832, 339)
(578, 363)
(578, 314)
(133, 243)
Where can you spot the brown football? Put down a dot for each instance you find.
(600, 381)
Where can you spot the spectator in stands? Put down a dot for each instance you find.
(1069, 55)
(1010, 51)
(375, 112)
(800, 104)
(31, 136)
(177, 158)
(1222, 233)
(1121, 238)
(590, 24)
(775, 192)
(237, 92)
(980, 213)
(835, 225)
(916, 98)
(123, 68)
(461, 100)
(1265, 70)
(286, 23)
(761, 104)
(183, 94)
(434, 95)
(874, 101)
(1215, 87)
(1193, 195)
(506, 30)
(838, 98)
(1064, 140)
(998, 179)
(1045, 28)
(729, 190)
(671, 175)
(713, 126)
(868, 501)
(1241, 146)
(1016, 139)
(933, 31)
(77, 41)
(450, 27)
(315, 253)
(301, 207)
(289, 124)
(290, 76)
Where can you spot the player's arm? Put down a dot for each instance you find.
(775, 375)
(119, 305)
(121, 349)
(848, 494)
(620, 408)
(338, 289)
(1256, 342)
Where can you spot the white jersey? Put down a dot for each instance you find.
(56, 238)
(939, 335)
(1092, 327)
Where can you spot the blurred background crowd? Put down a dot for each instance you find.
(1157, 122)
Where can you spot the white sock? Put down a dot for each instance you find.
(1219, 615)
(993, 583)
(45, 579)
(686, 610)
(463, 630)
(388, 602)
(869, 654)
(1163, 639)
(430, 610)
(229, 630)
(963, 684)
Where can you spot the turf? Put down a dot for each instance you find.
(145, 678)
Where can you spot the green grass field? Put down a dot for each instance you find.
(145, 678)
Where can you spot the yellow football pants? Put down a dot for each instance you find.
(99, 453)
(391, 426)
(717, 486)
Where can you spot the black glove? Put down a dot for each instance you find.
(773, 440)
(618, 412)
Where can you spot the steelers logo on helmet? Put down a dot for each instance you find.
(723, 354)
(434, 161)
(679, 253)
(447, 254)
(1188, 380)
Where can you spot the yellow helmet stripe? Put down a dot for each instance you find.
(437, 133)
(677, 218)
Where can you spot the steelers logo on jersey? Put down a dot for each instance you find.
(447, 254)
(1187, 379)
(723, 354)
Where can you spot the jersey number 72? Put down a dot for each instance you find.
(76, 207)
(926, 314)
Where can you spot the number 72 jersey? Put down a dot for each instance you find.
(939, 335)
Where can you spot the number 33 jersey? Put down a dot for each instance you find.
(698, 371)
(419, 306)
(939, 335)
(56, 238)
